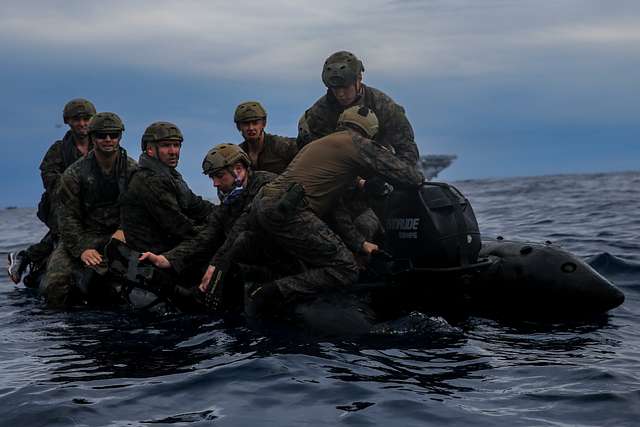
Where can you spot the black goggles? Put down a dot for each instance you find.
(104, 135)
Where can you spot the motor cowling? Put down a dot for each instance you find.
(433, 227)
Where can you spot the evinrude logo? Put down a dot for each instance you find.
(407, 228)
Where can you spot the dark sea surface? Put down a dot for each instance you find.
(90, 368)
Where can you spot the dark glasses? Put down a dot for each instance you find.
(104, 135)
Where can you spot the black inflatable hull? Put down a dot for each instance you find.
(519, 280)
(516, 280)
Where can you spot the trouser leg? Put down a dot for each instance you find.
(329, 263)
(58, 286)
(39, 252)
(368, 224)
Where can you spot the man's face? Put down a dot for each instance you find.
(106, 143)
(168, 152)
(224, 181)
(346, 95)
(252, 129)
(80, 125)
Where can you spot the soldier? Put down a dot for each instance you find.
(89, 196)
(158, 208)
(59, 157)
(229, 167)
(267, 152)
(342, 75)
(290, 210)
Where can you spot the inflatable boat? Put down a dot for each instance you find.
(433, 260)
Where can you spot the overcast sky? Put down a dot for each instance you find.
(512, 87)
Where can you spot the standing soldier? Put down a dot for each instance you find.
(59, 157)
(89, 196)
(267, 152)
(342, 75)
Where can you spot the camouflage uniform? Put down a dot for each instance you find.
(59, 157)
(158, 208)
(323, 169)
(219, 230)
(277, 152)
(90, 215)
(395, 130)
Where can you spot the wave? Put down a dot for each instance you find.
(608, 264)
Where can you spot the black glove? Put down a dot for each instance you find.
(377, 187)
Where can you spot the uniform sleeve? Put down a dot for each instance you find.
(304, 132)
(52, 168)
(381, 161)
(206, 239)
(75, 237)
(224, 255)
(161, 203)
(343, 225)
(398, 132)
(317, 121)
(199, 208)
(290, 149)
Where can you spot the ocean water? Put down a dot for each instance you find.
(91, 368)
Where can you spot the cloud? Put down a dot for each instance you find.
(288, 40)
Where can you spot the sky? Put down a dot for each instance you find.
(513, 88)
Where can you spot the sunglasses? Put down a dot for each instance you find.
(104, 135)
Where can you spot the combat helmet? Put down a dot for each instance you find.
(160, 131)
(361, 117)
(341, 69)
(250, 110)
(78, 107)
(224, 156)
(106, 122)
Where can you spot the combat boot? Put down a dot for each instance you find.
(263, 300)
(17, 265)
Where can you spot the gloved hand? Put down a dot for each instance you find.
(377, 187)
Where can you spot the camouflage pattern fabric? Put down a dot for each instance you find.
(395, 130)
(219, 226)
(328, 167)
(59, 287)
(38, 253)
(324, 170)
(159, 210)
(368, 225)
(276, 154)
(302, 235)
(90, 215)
(60, 155)
(90, 202)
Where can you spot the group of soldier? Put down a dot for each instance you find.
(294, 213)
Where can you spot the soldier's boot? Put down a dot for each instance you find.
(264, 300)
(17, 265)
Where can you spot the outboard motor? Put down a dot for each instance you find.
(433, 227)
